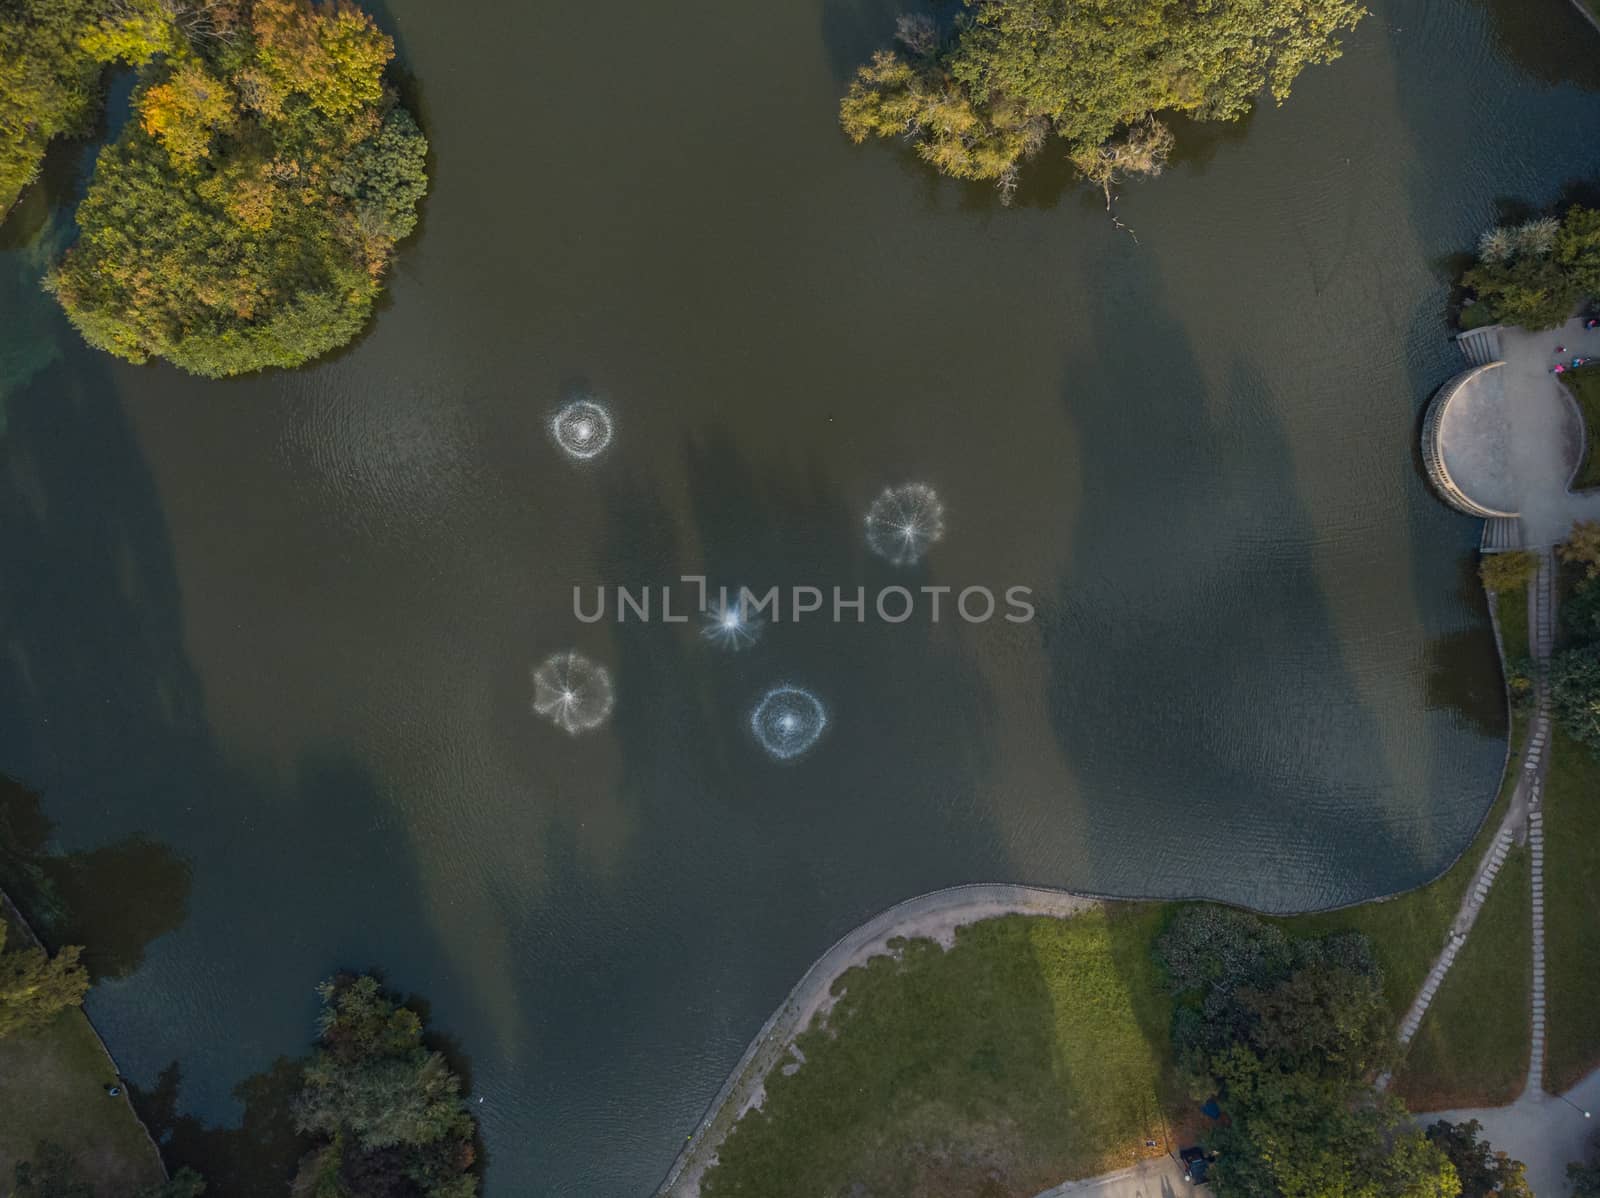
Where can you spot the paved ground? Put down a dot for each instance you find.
(1158, 1178)
(1540, 1130)
(1542, 450)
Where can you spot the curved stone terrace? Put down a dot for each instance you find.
(1504, 439)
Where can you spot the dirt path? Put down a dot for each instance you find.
(934, 916)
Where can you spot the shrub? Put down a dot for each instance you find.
(1507, 571)
(1575, 692)
(36, 987)
(1582, 547)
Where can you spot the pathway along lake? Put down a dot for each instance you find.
(285, 625)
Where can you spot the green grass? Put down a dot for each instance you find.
(1511, 609)
(1034, 1049)
(1572, 910)
(51, 1089)
(1472, 1047)
(1584, 385)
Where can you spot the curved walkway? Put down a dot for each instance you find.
(934, 916)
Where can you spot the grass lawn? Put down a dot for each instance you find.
(1584, 384)
(1472, 1047)
(50, 1089)
(1512, 612)
(1034, 1050)
(1572, 911)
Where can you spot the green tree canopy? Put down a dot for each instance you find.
(1575, 692)
(246, 218)
(1288, 1034)
(1534, 274)
(979, 101)
(49, 83)
(1484, 1171)
(387, 1111)
(35, 987)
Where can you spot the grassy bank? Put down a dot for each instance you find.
(1584, 386)
(1034, 1049)
(1511, 609)
(1037, 1049)
(1572, 908)
(1472, 1048)
(51, 1088)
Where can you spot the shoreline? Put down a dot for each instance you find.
(9, 908)
(935, 915)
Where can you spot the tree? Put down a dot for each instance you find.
(1577, 248)
(1535, 273)
(1575, 692)
(247, 218)
(48, 84)
(1580, 612)
(1506, 571)
(977, 104)
(1529, 290)
(187, 112)
(1582, 547)
(1584, 1180)
(1288, 1034)
(1484, 1171)
(388, 1111)
(35, 987)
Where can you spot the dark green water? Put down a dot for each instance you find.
(284, 626)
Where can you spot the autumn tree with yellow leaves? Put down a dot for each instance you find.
(246, 216)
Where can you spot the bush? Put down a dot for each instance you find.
(1207, 947)
(1582, 547)
(1580, 612)
(1575, 692)
(1507, 571)
(36, 987)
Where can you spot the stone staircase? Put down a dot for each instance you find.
(1543, 604)
(1468, 915)
(1501, 534)
(1480, 345)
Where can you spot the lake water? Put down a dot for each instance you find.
(284, 626)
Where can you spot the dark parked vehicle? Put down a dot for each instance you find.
(1196, 1165)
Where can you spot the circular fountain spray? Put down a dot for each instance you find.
(729, 626)
(582, 428)
(903, 521)
(788, 721)
(572, 692)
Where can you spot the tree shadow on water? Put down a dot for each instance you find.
(1548, 39)
(257, 1159)
(1243, 737)
(114, 900)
